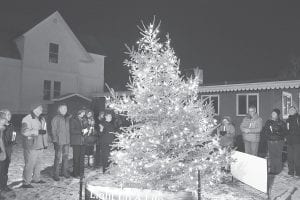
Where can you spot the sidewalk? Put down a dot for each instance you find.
(67, 189)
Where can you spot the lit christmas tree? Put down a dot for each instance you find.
(170, 136)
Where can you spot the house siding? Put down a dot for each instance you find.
(10, 70)
(268, 100)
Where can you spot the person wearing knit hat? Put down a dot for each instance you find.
(35, 140)
(226, 132)
(277, 111)
(274, 131)
(35, 105)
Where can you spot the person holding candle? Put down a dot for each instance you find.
(293, 141)
(35, 140)
(226, 132)
(77, 133)
(90, 138)
(275, 130)
(251, 127)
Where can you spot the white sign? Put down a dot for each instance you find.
(112, 193)
(251, 170)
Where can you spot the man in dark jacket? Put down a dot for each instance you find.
(9, 138)
(98, 144)
(293, 142)
(77, 133)
(107, 130)
(61, 140)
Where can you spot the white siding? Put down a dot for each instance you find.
(10, 72)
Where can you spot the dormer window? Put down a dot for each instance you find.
(53, 53)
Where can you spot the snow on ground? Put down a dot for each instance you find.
(67, 189)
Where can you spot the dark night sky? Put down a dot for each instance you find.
(231, 40)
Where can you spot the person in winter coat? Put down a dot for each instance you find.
(275, 130)
(9, 139)
(293, 142)
(77, 142)
(226, 132)
(91, 137)
(3, 122)
(61, 140)
(251, 127)
(107, 130)
(35, 140)
(99, 138)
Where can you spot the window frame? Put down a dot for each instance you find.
(285, 94)
(204, 96)
(54, 90)
(47, 90)
(50, 53)
(247, 103)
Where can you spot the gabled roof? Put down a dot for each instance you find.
(251, 86)
(69, 95)
(67, 28)
(9, 32)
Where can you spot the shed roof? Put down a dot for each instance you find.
(69, 95)
(251, 86)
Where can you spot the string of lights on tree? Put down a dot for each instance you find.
(170, 137)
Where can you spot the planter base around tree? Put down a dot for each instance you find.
(93, 192)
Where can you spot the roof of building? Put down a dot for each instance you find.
(248, 86)
(69, 95)
(118, 93)
(10, 32)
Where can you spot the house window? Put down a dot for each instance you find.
(286, 104)
(53, 53)
(57, 88)
(214, 100)
(244, 101)
(47, 90)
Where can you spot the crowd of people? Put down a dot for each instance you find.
(277, 133)
(89, 136)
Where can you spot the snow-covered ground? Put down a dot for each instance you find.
(67, 189)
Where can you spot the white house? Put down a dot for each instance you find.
(53, 62)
